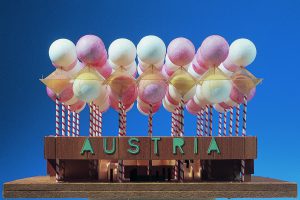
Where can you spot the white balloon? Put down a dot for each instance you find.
(122, 52)
(151, 49)
(75, 70)
(131, 69)
(216, 91)
(105, 106)
(225, 71)
(62, 53)
(146, 65)
(86, 88)
(242, 52)
(139, 109)
(168, 106)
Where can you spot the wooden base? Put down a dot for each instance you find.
(46, 187)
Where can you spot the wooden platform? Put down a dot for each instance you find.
(46, 187)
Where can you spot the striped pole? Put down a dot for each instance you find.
(230, 121)
(69, 121)
(220, 124)
(56, 135)
(237, 120)
(73, 123)
(94, 120)
(225, 124)
(173, 123)
(91, 121)
(206, 121)
(77, 124)
(100, 122)
(63, 120)
(121, 133)
(124, 119)
(210, 120)
(173, 134)
(199, 123)
(181, 132)
(150, 121)
(202, 122)
(244, 135)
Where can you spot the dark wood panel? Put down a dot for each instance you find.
(46, 187)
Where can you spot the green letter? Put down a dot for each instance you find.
(113, 150)
(178, 142)
(137, 148)
(87, 147)
(213, 146)
(195, 145)
(155, 139)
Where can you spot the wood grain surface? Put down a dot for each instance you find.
(46, 187)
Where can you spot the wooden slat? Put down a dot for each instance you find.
(144, 146)
(250, 147)
(49, 147)
(70, 148)
(46, 187)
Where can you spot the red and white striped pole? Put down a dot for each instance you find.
(56, 135)
(69, 121)
(244, 135)
(63, 120)
(220, 125)
(231, 121)
(94, 120)
(121, 133)
(206, 121)
(202, 122)
(100, 122)
(150, 121)
(77, 123)
(73, 123)
(225, 123)
(91, 121)
(199, 123)
(210, 120)
(181, 133)
(237, 120)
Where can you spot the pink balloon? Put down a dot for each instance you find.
(153, 92)
(238, 97)
(198, 68)
(51, 94)
(114, 103)
(181, 51)
(230, 66)
(91, 50)
(104, 70)
(224, 105)
(78, 106)
(213, 51)
(192, 107)
(167, 71)
(145, 108)
(66, 94)
(170, 99)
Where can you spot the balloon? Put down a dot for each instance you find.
(213, 51)
(51, 94)
(238, 97)
(132, 69)
(122, 52)
(219, 108)
(144, 66)
(151, 49)
(172, 67)
(104, 106)
(87, 86)
(181, 51)
(123, 86)
(168, 106)
(242, 52)
(174, 101)
(91, 50)
(103, 95)
(78, 106)
(114, 103)
(152, 87)
(144, 108)
(243, 83)
(62, 53)
(182, 81)
(216, 88)
(192, 107)
(105, 70)
(177, 95)
(67, 94)
(76, 69)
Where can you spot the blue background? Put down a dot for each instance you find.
(28, 28)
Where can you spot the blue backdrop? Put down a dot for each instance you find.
(28, 28)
